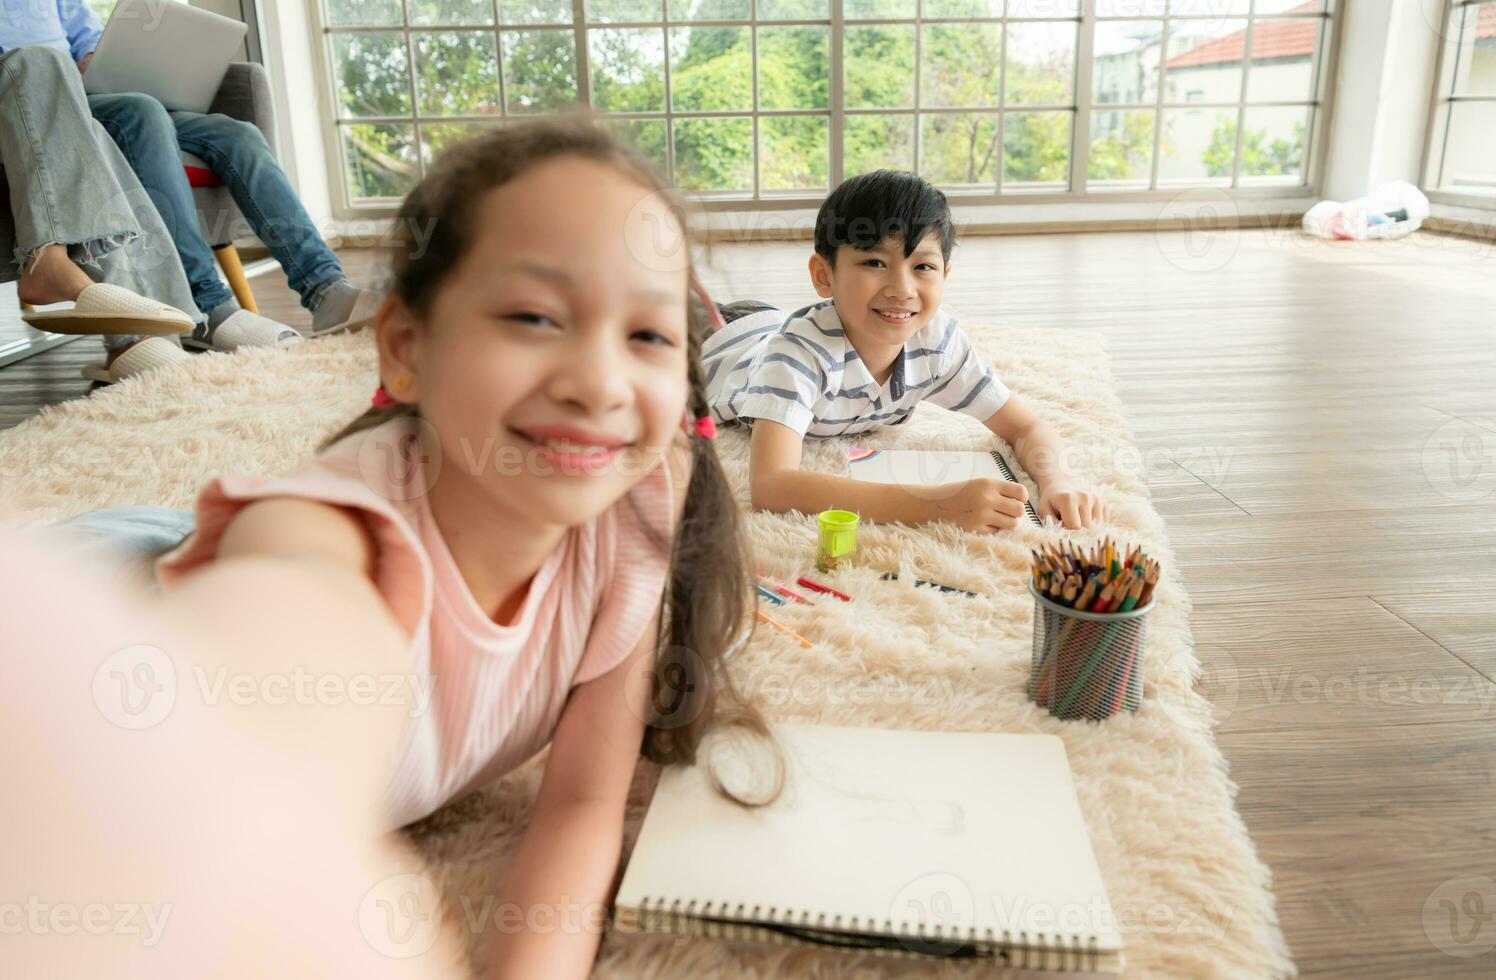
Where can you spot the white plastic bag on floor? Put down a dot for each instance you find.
(1392, 210)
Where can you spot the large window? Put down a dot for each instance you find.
(1462, 140)
(778, 100)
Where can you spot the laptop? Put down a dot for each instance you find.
(175, 53)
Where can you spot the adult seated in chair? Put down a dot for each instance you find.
(75, 224)
(152, 140)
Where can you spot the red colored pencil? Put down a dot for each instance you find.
(818, 587)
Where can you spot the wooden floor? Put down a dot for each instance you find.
(1319, 426)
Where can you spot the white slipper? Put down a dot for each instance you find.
(243, 329)
(362, 314)
(147, 355)
(106, 308)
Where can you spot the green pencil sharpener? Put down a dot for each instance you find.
(837, 543)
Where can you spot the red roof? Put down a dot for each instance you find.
(1286, 39)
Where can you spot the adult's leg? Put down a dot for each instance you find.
(61, 194)
(237, 152)
(150, 265)
(144, 133)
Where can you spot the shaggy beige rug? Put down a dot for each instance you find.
(1191, 897)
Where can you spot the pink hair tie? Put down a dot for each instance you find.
(382, 398)
(706, 427)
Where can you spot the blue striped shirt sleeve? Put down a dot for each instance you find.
(783, 384)
(966, 384)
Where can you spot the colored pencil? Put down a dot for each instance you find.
(785, 629)
(826, 589)
(770, 596)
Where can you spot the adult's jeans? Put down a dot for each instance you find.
(151, 138)
(69, 185)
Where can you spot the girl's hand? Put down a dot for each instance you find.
(1074, 506)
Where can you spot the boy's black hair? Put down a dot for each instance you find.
(869, 208)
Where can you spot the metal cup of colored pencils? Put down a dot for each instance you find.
(1090, 628)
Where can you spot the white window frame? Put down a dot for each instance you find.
(1441, 104)
(1312, 170)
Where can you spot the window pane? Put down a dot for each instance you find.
(714, 154)
(1036, 151)
(1469, 163)
(793, 10)
(1121, 154)
(535, 11)
(373, 74)
(363, 13)
(646, 135)
(1041, 63)
(962, 64)
(963, 8)
(602, 11)
(877, 142)
(878, 67)
(794, 66)
(1209, 8)
(959, 149)
(1198, 146)
(1130, 8)
(540, 70)
(1475, 64)
(1283, 60)
(794, 153)
(379, 159)
(863, 9)
(1283, 6)
(628, 69)
(1205, 60)
(1125, 68)
(709, 10)
(457, 73)
(711, 68)
(438, 137)
(1272, 147)
(1043, 8)
(451, 12)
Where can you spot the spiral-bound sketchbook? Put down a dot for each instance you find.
(946, 844)
(930, 468)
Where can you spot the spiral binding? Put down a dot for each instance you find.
(741, 922)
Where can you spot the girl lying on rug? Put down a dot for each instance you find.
(497, 533)
(864, 357)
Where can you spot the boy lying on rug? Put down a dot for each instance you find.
(863, 358)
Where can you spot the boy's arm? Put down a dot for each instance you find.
(1041, 453)
(780, 485)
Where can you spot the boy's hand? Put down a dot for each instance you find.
(983, 504)
(1075, 506)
